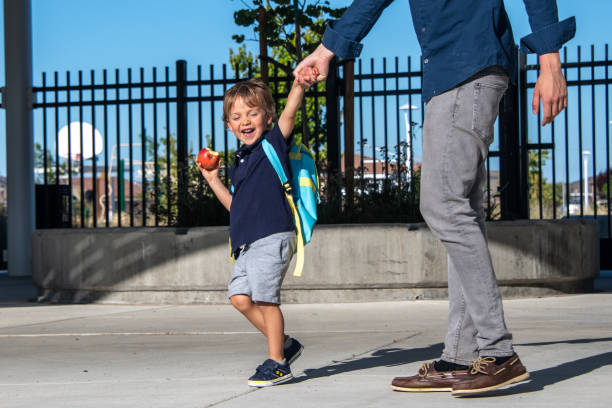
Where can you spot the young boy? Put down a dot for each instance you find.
(262, 231)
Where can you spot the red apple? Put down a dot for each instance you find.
(208, 159)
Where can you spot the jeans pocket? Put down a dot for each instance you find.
(486, 107)
(477, 105)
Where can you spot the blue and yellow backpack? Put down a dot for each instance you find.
(302, 193)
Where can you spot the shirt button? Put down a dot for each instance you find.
(426, 60)
(423, 29)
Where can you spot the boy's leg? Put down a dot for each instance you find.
(244, 304)
(274, 326)
(268, 260)
(268, 319)
(292, 348)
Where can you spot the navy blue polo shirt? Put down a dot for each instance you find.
(259, 207)
(458, 38)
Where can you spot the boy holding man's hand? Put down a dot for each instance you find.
(262, 230)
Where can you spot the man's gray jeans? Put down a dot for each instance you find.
(457, 132)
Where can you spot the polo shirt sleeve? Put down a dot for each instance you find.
(548, 33)
(276, 139)
(281, 145)
(342, 36)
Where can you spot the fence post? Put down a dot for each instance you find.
(523, 158)
(333, 133)
(181, 139)
(513, 181)
(349, 130)
(509, 155)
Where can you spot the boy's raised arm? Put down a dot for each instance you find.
(287, 117)
(294, 100)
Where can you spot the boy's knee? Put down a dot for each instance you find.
(241, 302)
(267, 304)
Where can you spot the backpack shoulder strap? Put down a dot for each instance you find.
(274, 160)
(278, 167)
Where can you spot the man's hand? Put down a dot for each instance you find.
(308, 77)
(550, 88)
(318, 61)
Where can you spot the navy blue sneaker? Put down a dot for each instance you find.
(293, 350)
(270, 373)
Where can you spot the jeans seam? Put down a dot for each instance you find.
(448, 191)
(459, 328)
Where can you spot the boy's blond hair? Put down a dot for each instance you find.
(253, 92)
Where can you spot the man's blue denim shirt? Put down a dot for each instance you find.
(458, 38)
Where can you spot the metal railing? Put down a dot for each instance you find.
(569, 162)
(151, 128)
(363, 124)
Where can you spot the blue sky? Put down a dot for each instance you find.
(72, 35)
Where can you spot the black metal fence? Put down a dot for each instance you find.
(363, 124)
(568, 164)
(134, 165)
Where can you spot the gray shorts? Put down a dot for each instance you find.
(260, 269)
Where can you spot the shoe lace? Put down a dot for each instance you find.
(480, 364)
(423, 370)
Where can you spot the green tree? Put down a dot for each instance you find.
(275, 24)
(50, 168)
(201, 206)
(539, 186)
(289, 31)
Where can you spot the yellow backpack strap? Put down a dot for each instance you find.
(299, 264)
(230, 249)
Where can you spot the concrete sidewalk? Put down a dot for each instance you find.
(201, 356)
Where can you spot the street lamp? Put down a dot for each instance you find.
(585, 155)
(406, 108)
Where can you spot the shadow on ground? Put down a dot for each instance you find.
(380, 358)
(540, 379)
(16, 290)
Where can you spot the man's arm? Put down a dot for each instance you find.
(342, 36)
(547, 37)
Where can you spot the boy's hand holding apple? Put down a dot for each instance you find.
(208, 162)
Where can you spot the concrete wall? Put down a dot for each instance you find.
(344, 263)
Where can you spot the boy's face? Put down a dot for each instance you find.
(247, 122)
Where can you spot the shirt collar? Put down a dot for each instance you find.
(245, 149)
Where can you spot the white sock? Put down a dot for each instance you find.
(283, 362)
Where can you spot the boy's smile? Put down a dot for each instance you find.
(248, 123)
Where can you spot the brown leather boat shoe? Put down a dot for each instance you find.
(488, 376)
(429, 380)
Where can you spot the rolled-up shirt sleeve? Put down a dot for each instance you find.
(343, 36)
(548, 34)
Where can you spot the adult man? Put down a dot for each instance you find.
(468, 56)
